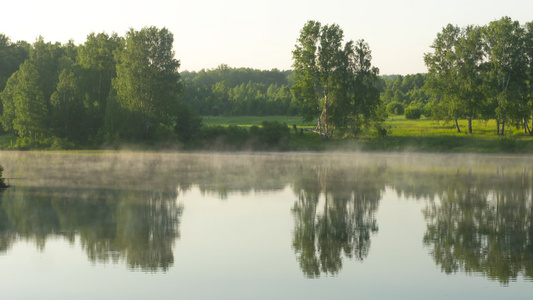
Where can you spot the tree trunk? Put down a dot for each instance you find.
(503, 126)
(526, 126)
(470, 124)
(457, 125)
(531, 128)
(320, 126)
(497, 126)
(326, 126)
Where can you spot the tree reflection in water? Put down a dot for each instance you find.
(477, 222)
(483, 224)
(334, 216)
(138, 227)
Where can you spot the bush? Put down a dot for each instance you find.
(186, 123)
(428, 110)
(271, 135)
(223, 138)
(2, 182)
(413, 113)
(274, 135)
(164, 133)
(395, 108)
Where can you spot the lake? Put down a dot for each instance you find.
(117, 225)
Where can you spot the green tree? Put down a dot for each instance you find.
(67, 106)
(334, 82)
(12, 55)
(46, 56)
(506, 67)
(147, 81)
(470, 56)
(528, 113)
(8, 105)
(97, 68)
(24, 104)
(443, 67)
(358, 99)
(317, 62)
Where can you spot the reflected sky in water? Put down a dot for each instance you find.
(263, 226)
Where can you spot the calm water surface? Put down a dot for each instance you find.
(266, 226)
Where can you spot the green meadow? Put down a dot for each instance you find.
(424, 135)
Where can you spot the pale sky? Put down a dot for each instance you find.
(260, 34)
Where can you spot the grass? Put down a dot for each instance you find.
(422, 135)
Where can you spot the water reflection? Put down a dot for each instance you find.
(483, 224)
(137, 227)
(479, 210)
(334, 216)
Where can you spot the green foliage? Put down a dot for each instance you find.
(12, 55)
(413, 113)
(395, 108)
(483, 72)
(238, 92)
(41, 143)
(67, 106)
(147, 81)
(335, 83)
(272, 135)
(405, 89)
(25, 103)
(186, 123)
(96, 67)
(222, 138)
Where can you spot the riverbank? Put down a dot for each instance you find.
(247, 134)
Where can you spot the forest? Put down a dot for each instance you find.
(128, 89)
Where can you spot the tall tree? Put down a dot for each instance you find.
(30, 112)
(470, 56)
(147, 82)
(306, 72)
(358, 98)
(443, 65)
(46, 56)
(12, 55)
(330, 75)
(504, 44)
(97, 69)
(67, 106)
(528, 43)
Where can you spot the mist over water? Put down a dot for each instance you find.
(268, 219)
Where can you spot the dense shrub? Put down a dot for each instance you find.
(395, 108)
(186, 123)
(274, 135)
(413, 113)
(220, 137)
(270, 136)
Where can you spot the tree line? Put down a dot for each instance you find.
(108, 88)
(483, 72)
(127, 88)
(230, 91)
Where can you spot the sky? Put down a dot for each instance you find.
(260, 34)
